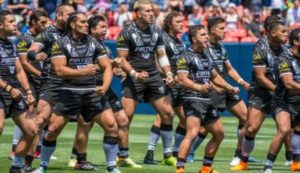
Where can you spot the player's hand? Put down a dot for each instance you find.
(90, 69)
(42, 56)
(143, 76)
(30, 99)
(170, 81)
(101, 90)
(119, 72)
(206, 87)
(16, 94)
(117, 62)
(246, 85)
(235, 90)
(202, 88)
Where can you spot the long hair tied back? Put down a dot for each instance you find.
(72, 17)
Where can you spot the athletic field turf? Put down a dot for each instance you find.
(138, 144)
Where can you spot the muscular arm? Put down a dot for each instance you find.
(184, 81)
(163, 60)
(232, 72)
(123, 54)
(21, 76)
(220, 82)
(289, 83)
(105, 66)
(29, 67)
(63, 71)
(260, 76)
(35, 47)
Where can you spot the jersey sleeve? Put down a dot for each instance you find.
(101, 51)
(123, 40)
(258, 59)
(283, 67)
(56, 50)
(41, 39)
(23, 46)
(182, 65)
(160, 41)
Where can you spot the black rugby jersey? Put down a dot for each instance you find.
(175, 48)
(25, 42)
(46, 39)
(218, 54)
(79, 53)
(264, 56)
(141, 46)
(287, 64)
(8, 57)
(199, 67)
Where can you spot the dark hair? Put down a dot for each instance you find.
(3, 14)
(169, 18)
(294, 35)
(94, 20)
(193, 31)
(269, 20)
(60, 8)
(273, 26)
(213, 21)
(72, 17)
(36, 14)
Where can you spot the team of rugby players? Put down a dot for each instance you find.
(62, 72)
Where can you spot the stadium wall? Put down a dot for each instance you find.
(240, 57)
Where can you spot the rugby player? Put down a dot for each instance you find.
(287, 69)
(38, 21)
(98, 29)
(13, 79)
(261, 95)
(173, 25)
(235, 105)
(196, 73)
(73, 58)
(137, 46)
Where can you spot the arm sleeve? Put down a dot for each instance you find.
(123, 40)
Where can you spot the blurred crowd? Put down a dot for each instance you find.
(244, 18)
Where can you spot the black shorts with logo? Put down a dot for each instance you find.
(261, 99)
(113, 100)
(150, 90)
(201, 108)
(176, 93)
(87, 103)
(50, 92)
(292, 109)
(12, 107)
(221, 101)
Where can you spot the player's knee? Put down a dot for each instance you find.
(284, 131)
(252, 131)
(219, 135)
(111, 128)
(52, 133)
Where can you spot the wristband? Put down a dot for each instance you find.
(240, 81)
(10, 89)
(134, 74)
(163, 61)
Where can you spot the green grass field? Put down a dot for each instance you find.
(138, 144)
